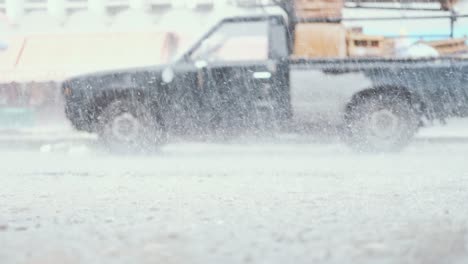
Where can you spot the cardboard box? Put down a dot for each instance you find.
(361, 45)
(448, 46)
(320, 40)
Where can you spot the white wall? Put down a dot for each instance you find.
(14, 9)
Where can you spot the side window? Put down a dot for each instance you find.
(235, 41)
(279, 40)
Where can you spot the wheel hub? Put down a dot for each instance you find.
(384, 123)
(125, 127)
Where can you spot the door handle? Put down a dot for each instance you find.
(262, 75)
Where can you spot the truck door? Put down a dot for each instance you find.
(242, 81)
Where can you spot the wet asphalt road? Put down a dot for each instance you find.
(283, 202)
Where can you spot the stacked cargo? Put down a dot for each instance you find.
(327, 40)
(319, 39)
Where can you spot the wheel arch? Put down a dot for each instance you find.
(104, 98)
(359, 132)
(399, 92)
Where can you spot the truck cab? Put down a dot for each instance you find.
(238, 73)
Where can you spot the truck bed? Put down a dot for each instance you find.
(441, 84)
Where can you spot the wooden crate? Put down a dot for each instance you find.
(361, 45)
(320, 40)
(448, 46)
(319, 14)
(318, 4)
(318, 8)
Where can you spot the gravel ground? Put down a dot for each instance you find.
(283, 202)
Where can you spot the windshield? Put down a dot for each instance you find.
(228, 42)
(186, 41)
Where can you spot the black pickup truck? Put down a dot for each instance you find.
(240, 77)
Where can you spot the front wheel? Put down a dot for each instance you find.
(381, 123)
(129, 126)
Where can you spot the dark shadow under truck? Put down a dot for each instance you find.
(210, 90)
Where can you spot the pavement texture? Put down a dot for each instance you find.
(262, 202)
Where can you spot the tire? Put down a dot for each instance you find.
(381, 123)
(128, 126)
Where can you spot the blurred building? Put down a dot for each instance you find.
(15, 9)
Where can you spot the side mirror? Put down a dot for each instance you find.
(168, 75)
(201, 64)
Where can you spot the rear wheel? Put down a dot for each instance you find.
(129, 126)
(381, 123)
